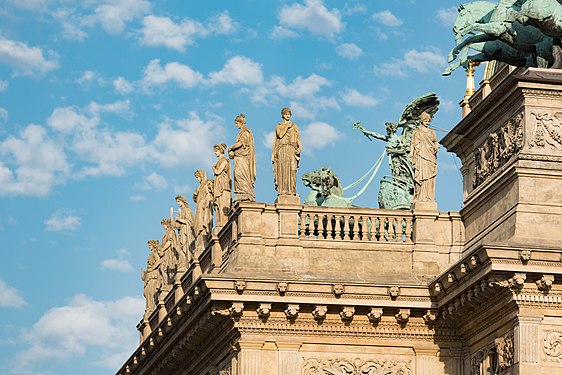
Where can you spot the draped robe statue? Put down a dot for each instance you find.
(286, 154)
(222, 185)
(423, 150)
(184, 224)
(203, 198)
(151, 277)
(244, 156)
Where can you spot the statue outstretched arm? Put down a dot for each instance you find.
(368, 133)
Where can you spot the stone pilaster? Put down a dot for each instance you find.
(426, 361)
(249, 357)
(527, 344)
(288, 358)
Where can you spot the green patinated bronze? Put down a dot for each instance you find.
(518, 32)
(326, 189)
(396, 191)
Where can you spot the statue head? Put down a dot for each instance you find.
(181, 198)
(286, 113)
(166, 223)
(219, 149)
(153, 244)
(200, 175)
(240, 120)
(425, 118)
(391, 127)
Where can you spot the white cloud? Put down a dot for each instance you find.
(447, 16)
(89, 76)
(32, 163)
(119, 264)
(387, 18)
(189, 139)
(318, 135)
(83, 327)
(267, 139)
(349, 50)
(280, 32)
(122, 86)
(238, 70)
(10, 297)
(353, 97)
(429, 60)
(313, 17)
(113, 15)
(309, 108)
(3, 85)
(153, 181)
(163, 31)
(356, 8)
(4, 114)
(71, 23)
(62, 220)
(156, 75)
(26, 60)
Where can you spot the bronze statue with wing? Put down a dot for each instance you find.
(397, 190)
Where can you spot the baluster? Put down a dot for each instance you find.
(331, 224)
(395, 229)
(302, 225)
(409, 230)
(314, 224)
(356, 229)
(347, 227)
(377, 229)
(403, 226)
(366, 225)
(338, 234)
(386, 227)
(321, 227)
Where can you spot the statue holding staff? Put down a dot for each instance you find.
(244, 156)
(222, 185)
(286, 154)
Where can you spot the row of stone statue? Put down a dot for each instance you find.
(173, 254)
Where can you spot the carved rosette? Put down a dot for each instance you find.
(552, 346)
(498, 149)
(341, 366)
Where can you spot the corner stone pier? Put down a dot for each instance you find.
(286, 289)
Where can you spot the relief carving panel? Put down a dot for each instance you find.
(546, 134)
(498, 149)
(357, 366)
(552, 346)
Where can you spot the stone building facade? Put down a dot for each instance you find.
(286, 289)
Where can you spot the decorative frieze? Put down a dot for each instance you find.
(498, 149)
(342, 366)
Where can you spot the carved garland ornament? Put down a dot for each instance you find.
(357, 366)
(546, 133)
(498, 149)
(552, 346)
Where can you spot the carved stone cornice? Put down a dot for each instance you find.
(344, 366)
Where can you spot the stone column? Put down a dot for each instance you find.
(270, 359)
(527, 344)
(249, 357)
(288, 357)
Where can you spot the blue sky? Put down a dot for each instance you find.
(107, 108)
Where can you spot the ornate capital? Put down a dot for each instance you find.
(430, 317)
(264, 310)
